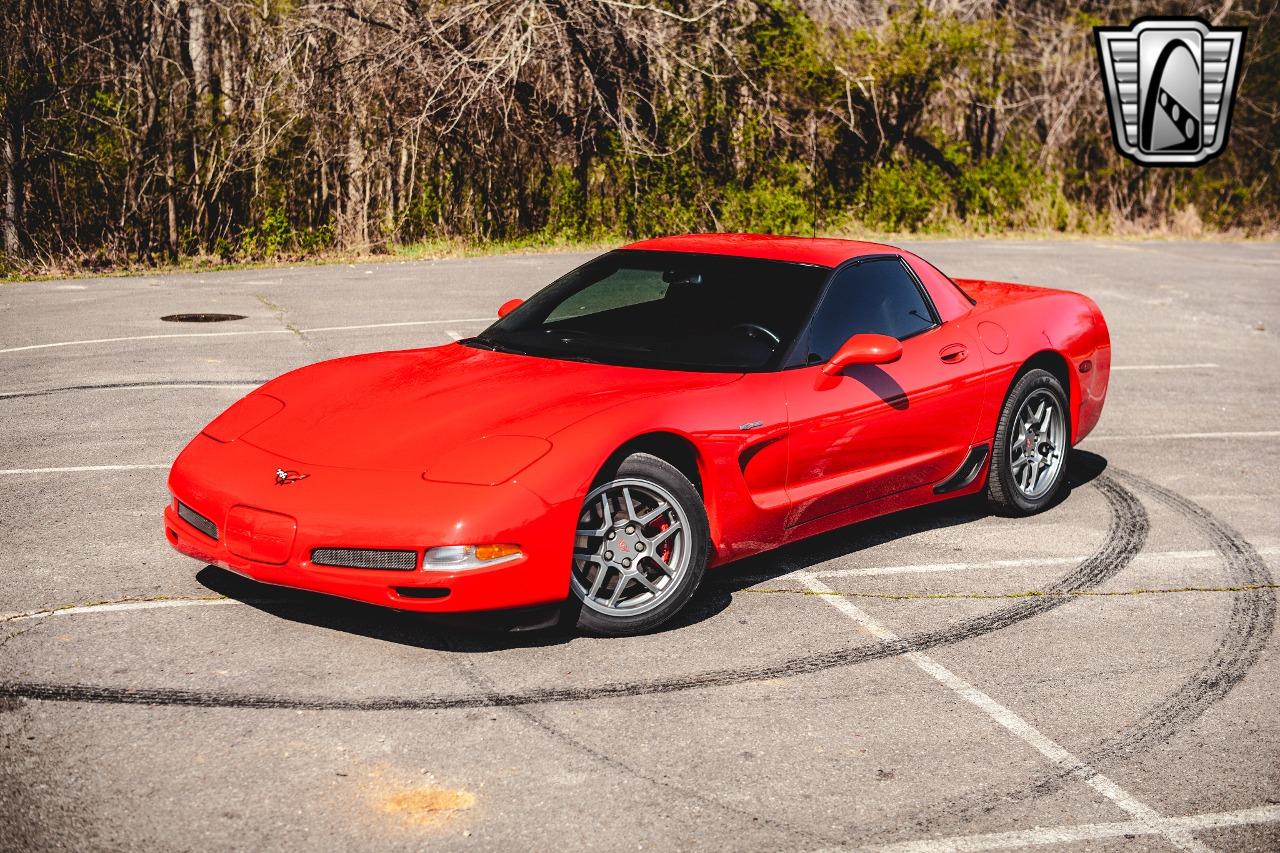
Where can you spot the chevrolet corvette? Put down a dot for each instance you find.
(664, 409)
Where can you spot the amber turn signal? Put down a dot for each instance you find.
(484, 553)
(447, 558)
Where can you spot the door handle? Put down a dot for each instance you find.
(953, 353)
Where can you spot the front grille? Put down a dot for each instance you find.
(365, 558)
(198, 521)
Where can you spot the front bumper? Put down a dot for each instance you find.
(342, 508)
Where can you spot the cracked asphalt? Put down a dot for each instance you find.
(1103, 675)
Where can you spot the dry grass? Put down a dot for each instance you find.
(1185, 224)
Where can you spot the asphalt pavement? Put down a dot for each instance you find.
(1103, 675)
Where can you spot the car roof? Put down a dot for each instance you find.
(823, 251)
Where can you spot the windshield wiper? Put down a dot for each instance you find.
(481, 343)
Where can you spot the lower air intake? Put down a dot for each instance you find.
(198, 521)
(365, 558)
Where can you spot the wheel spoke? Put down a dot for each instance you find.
(652, 515)
(628, 503)
(1044, 421)
(646, 583)
(664, 536)
(599, 581)
(662, 564)
(617, 590)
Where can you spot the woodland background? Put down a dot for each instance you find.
(140, 132)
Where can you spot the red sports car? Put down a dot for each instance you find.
(666, 408)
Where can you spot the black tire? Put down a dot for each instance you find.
(1005, 493)
(643, 468)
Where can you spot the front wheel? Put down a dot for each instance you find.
(640, 549)
(1033, 441)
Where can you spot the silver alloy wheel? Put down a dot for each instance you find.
(1037, 444)
(631, 547)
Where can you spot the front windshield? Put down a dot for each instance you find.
(672, 310)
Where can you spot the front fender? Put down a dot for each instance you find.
(745, 514)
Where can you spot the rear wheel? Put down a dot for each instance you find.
(1032, 445)
(640, 548)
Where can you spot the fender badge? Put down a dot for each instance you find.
(284, 478)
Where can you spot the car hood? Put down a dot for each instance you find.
(405, 410)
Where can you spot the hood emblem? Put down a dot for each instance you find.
(284, 478)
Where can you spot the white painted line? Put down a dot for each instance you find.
(1027, 562)
(245, 332)
(118, 606)
(457, 336)
(1083, 832)
(393, 325)
(1150, 436)
(1011, 722)
(79, 468)
(1205, 365)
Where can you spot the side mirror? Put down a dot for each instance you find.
(864, 349)
(507, 307)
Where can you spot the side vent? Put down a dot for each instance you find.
(966, 473)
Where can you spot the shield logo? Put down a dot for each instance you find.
(1170, 87)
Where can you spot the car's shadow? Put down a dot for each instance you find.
(475, 633)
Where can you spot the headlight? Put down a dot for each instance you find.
(488, 461)
(243, 416)
(452, 558)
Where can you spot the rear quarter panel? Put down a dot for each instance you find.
(1038, 320)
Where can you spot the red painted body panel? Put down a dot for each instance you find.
(453, 445)
(878, 430)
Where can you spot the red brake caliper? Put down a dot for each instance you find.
(666, 548)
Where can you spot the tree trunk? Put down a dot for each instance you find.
(355, 227)
(13, 189)
(198, 48)
(171, 199)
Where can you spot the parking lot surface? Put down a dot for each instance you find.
(1105, 674)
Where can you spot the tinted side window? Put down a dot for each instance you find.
(877, 297)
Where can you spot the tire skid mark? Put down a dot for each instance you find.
(540, 722)
(115, 386)
(1248, 629)
(1126, 535)
(1001, 596)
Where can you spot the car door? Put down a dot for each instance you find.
(876, 430)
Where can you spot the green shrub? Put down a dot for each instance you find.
(906, 196)
(780, 204)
